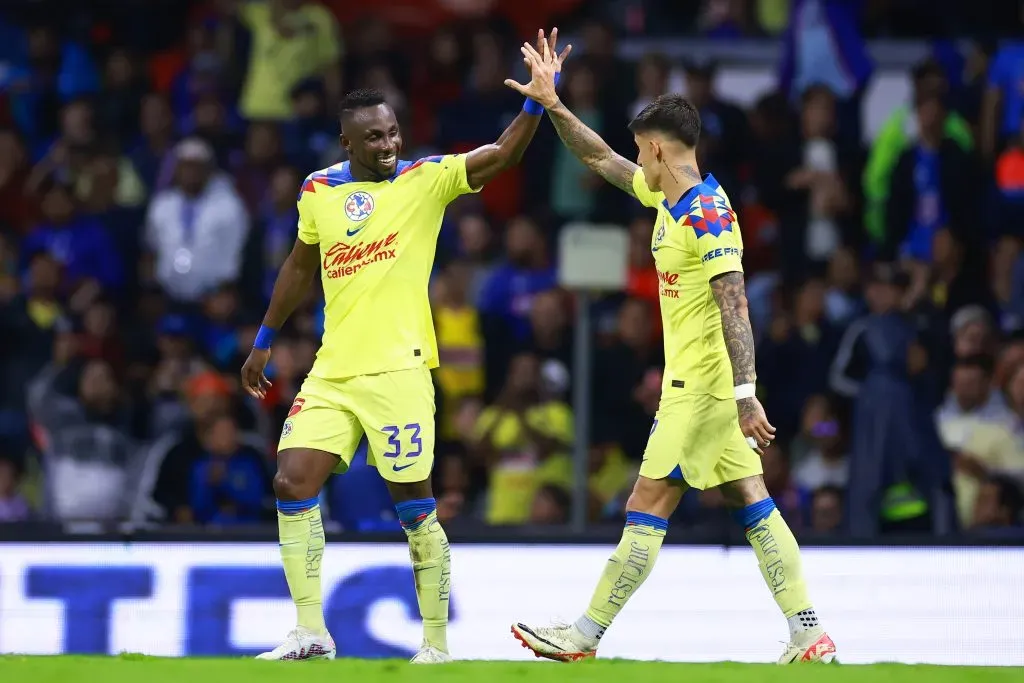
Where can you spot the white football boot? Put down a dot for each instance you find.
(303, 644)
(560, 643)
(813, 645)
(430, 655)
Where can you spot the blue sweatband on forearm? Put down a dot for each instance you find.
(264, 338)
(534, 108)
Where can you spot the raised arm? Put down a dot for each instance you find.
(730, 295)
(290, 289)
(581, 141)
(589, 148)
(484, 163)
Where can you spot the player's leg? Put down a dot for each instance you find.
(777, 552)
(397, 411)
(655, 496)
(315, 436)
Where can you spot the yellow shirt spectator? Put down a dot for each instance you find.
(287, 47)
(461, 354)
(518, 471)
(991, 447)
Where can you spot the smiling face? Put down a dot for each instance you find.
(373, 140)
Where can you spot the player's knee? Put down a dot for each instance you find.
(289, 487)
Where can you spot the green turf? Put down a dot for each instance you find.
(137, 669)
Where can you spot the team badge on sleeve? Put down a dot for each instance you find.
(359, 206)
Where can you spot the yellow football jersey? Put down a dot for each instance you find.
(377, 242)
(693, 241)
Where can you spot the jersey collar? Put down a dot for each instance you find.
(344, 175)
(680, 208)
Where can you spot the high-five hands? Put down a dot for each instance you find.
(543, 62)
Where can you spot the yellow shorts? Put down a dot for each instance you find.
(395, 410)
(697, 438)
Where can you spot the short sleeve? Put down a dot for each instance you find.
(450, 180)
(646, 196)
(307, 225)
(716, 233)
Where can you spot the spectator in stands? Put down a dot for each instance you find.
(825, 461)
(627, 378)
(574, 188)
(156, 127)
(808, 184)
(971, 400)
(196, 230)
(1009, 173)
(18, 211)
(900, 130)
(507, 296)
(13, 506)
(90, 459)
(271, 238)
(551, 505)
(827, 511)
(843, 299)
(206, 396)
(28, 323)
(517, 437)
(984, 448)
(551, 333)
(123, 89)
(653, 72)
(893, 471)
(1003, 107)
(291, 41)
(998, 509)
(823, 46)
(477, 247)
(80, 244)
(311, 135)
(254, 171)
(230, 483)
(724, 137)
(459, 343)
(800, 336)
(933, 186)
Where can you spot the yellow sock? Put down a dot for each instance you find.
(302, 549)
(431, 567)
(778, 556)
(626, 570)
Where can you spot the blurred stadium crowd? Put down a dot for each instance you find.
(149, 168)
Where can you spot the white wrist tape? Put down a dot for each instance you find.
(745, 391)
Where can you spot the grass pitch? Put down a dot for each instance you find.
(133, 668)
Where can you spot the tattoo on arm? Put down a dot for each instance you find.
(592, 150)
(731, 297)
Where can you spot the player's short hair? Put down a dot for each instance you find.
(361, 99)
(672, 115)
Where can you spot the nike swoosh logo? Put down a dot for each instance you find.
(399, 468)
(353, 233)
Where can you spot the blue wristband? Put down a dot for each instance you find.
(264, 338)
(533, 107)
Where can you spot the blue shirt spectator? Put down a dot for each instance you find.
(1006, 74)
(229, 483)
(79, 243)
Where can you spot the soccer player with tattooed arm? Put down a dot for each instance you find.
(709, 428)
(369, 227)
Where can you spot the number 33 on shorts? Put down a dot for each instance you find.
(403, 447)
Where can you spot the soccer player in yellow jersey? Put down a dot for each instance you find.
(369, 227)
(710, 428)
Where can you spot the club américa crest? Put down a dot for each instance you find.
(359, 205)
